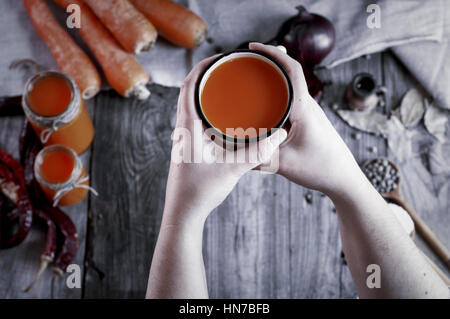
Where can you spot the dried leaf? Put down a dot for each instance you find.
(444, 193)
(363, 121)
(438, 159)
(396, 112)
(412, 108)
(399, 138)
(436, 121)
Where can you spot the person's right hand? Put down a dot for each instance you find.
(313, 154)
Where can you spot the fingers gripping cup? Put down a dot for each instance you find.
(244, 96)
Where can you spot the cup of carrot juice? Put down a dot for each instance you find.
(244, 96)
(61, 175)
(53, 105)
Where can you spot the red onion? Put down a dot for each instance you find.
(308, 37)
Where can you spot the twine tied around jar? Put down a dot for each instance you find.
(77, 183)
(46, 133)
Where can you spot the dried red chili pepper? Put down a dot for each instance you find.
(8, 184)
(7, 209)
(70, 245)
(23, 200)
(69, 236)
(50, 248)
(1, 218)
(13, 214)
(29, 148)
(48, 255)
(9, 190)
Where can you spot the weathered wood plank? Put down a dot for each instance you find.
(247, 241)
(19, 265)
(130, 161)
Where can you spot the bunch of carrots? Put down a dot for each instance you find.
(114, 30)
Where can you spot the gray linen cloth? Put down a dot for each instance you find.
(406, 25)
(429, 61)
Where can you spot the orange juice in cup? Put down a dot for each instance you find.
(244, 95)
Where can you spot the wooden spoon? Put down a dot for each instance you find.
(396, 197)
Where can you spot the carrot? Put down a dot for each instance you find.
(174, 22)
(121, 69)
(130, 27)
(68, 56)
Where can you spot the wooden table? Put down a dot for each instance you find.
(265, 241)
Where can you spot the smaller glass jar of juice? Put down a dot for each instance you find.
(54, 107)
(61, 175)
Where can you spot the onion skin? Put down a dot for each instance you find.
(308, 37)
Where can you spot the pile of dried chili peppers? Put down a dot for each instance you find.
(22, 203)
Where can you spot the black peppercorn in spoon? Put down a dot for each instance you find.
(385, 177)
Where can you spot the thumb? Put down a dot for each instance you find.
(268, 146)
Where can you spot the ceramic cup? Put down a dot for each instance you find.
(222, 137)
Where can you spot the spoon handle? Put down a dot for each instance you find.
(437, 269)
(427, 234)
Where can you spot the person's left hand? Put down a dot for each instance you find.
(201, 174)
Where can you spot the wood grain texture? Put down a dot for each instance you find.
(19, 265)
(130, 161)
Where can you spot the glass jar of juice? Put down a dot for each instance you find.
(54, 107)
(61, 175)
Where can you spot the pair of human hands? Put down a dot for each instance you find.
(312, 154)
